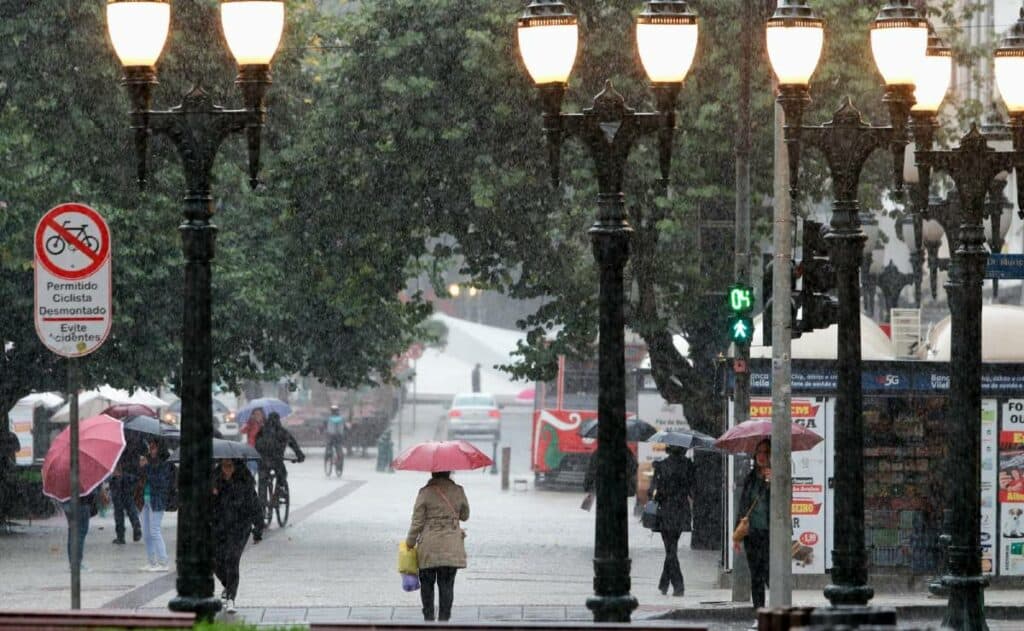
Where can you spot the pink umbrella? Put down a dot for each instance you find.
(100, 443)
(451, 455)
(525, 396)
(744, 438)
(124, 410)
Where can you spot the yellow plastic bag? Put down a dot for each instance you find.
(407, 561)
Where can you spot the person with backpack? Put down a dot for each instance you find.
(334, 429)
(271, 444)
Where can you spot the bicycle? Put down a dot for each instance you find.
(55, 244)
(276, 498)
(334, 458)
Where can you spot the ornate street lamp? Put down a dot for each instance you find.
(899, 41)
(666, 34)
(197, 127)
(973, 166)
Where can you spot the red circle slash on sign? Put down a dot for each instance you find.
(72, 238)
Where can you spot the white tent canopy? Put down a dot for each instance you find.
(1001, 340)
(92, 402)
(823, 343)
(45, 399)
(441, 373)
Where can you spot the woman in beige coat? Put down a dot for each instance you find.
(438, 539)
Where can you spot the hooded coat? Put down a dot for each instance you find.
(236, 509)
(435, 530)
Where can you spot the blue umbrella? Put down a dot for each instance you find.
(268, 405)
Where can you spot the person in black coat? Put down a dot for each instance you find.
(755, 498)
(236, 513)
(672, 489)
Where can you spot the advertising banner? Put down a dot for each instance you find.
(989, 471)
(1011, 489)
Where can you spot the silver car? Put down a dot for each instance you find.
(474, 415)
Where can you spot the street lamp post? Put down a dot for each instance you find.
(197, 127)
(666, 34)
(899, 42)
(973, 166)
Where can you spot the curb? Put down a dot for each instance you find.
(730, 613)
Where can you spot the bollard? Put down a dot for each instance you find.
(385, 452)
(494, 458)
(506, 465)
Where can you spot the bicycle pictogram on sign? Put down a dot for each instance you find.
(72, 241)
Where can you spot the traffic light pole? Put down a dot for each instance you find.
(781, 522)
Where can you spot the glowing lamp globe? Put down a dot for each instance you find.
(252, 29)
(934, 75)
(666, 36)
(899, 40)
(795, 36)
(1009, 67)
(138, 30)
(548, 38)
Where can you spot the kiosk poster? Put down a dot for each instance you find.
(808, 505)
(1011, 489)
(989, 471)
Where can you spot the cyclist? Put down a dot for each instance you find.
(271, 443)
(334, 428)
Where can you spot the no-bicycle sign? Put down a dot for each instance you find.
(72, 274)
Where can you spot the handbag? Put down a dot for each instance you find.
(743, 527)
(408, 562)
(588, 502)
(410, 582)
(649, 518)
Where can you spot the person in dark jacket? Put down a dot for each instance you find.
(122, 487)
(271, 443)
(671, 488)
(157, 485)
(756, 498)
(236, 514)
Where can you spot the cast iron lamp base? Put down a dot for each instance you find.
(205, 608)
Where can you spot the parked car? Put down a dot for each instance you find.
(474, 415)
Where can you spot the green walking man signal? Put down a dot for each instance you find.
(741, 304)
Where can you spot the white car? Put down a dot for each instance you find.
(474, 415)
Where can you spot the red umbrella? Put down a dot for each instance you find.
(100, 443)
(451, 455)
(744, 438)
(124, 410)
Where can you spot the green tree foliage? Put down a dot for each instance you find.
(64, 136)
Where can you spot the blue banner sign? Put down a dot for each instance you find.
(1005, 266)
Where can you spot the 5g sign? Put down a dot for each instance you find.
(741, 304)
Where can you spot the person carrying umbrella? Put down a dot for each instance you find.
(153, 496)
(440, 506)
(236, 514)
(755, 499)
(671, 488)
(439, 541)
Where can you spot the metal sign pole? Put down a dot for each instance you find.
(75, 543)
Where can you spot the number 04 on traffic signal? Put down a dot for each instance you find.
(741, 305)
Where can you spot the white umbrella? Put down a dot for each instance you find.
(145, 398)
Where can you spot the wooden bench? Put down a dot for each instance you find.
(93, 619)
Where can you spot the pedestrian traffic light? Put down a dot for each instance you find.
(820, 310)
(767, 289)
(741, 304)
